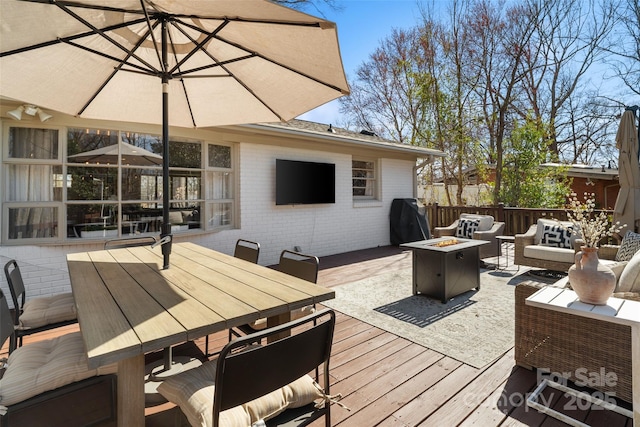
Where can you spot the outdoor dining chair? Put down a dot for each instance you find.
(37, 314)
(296, 264)
(252, 382)
(248, 251)
(43, 376)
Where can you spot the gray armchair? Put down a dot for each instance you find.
(488, 230)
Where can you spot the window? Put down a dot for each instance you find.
(107, 183)
(364, 180)
(220, 191)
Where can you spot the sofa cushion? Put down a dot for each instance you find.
(193, 391)
(629, 246)
(486, 221)
(46, 365)
(550, 253)
(630, 277)
(466, 228)
(550, 222)
(46, 310)
(557, 235)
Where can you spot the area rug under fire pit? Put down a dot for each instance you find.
(475, 328)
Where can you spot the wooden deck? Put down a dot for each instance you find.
(386, 380)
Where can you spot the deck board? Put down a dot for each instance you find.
(389, 381)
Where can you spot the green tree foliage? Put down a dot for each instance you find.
(525, 182)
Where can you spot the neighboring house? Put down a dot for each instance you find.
(599, 180)
(62, 191)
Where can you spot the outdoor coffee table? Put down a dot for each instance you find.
(442, 270)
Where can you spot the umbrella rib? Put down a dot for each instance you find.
(184, 88)
(68, 39)
(198, 45)
(103, 35)
(115, 71)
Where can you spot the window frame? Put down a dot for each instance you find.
(203, 172)
(375, 180)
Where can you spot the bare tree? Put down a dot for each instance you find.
(625, 49)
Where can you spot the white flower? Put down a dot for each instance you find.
(593, 228)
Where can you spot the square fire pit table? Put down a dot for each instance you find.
(446, 266)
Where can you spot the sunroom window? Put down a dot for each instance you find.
(106, 183)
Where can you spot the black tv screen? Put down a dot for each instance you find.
(303, 183)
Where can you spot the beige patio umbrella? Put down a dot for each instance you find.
(182, 63)
(627, 208)
(129, 155)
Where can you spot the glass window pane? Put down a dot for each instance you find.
(92, 146)
(185, 154)
(141, 184)
(219, 156)
(92, 221)
(219, 186)
(92, 183)
(219, 214)
(141, 218)
(185, 185)
(33, 183)
(29, 143)
(183, 217)
(33, 222)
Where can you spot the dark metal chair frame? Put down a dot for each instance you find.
(18, 296)
(247, 250)
(247, 375)
(296, 264)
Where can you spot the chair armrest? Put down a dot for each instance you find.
(520, 241)
(446, 231)
(496, 230)
(608, 252)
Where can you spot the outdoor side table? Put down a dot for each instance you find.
(617, 310)
(509, 240)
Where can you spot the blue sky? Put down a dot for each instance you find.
(362, 24)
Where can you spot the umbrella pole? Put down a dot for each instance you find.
(166, 226)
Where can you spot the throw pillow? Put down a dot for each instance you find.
(629, 246)
(557, 235)
(466, 228)
(630, 277)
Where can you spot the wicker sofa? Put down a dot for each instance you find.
(573, 346)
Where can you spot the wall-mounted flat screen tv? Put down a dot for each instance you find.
(303, 183)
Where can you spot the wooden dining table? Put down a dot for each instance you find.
(129, 305)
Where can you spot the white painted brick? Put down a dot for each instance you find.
(318, 229)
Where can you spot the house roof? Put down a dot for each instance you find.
(343, 136)
(586, 171)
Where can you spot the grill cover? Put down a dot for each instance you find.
(408, 221)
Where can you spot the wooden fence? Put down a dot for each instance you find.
(517, 220)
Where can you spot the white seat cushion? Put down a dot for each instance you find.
(550, 253)
(46, 365)
(46, 310)
(193, 391)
